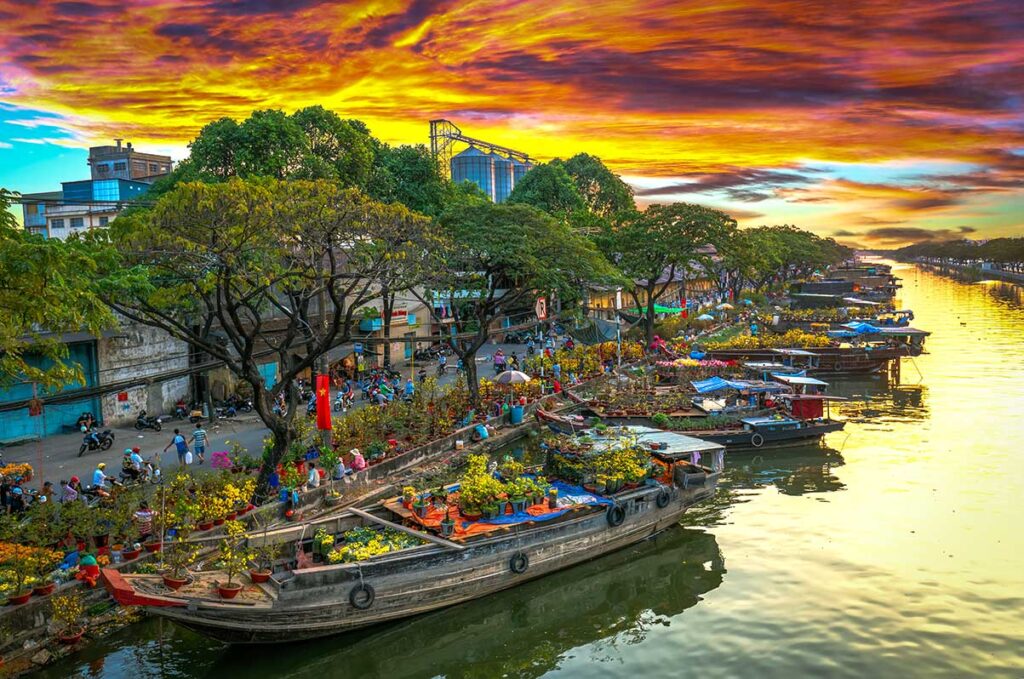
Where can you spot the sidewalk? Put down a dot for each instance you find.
(56, 457)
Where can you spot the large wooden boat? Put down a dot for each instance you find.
(322, 600)
(835, 360)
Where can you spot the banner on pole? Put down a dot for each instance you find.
(323, 402)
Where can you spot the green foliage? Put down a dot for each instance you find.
(411, 175)
(548, 187)
(999, 250)
(45, 290)
(603, 192)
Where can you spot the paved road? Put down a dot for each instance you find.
(56, 457)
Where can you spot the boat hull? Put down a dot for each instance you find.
(316, 603)
(741, 439)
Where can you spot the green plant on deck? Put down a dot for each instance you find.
(660, 420)
(478, 487)
(180, 554)
(233, 554)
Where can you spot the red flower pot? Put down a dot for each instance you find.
(229, 591)
(80, 545)
(129, 554)
(43, 590)
(153, 546)
(218, 522)
(19, 599)
(72, 638)
(175, 583)
(206, 525)
(232, 516)
(259, 576)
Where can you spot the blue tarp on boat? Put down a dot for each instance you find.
(717, 384)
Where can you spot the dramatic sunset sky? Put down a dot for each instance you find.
(877, 122)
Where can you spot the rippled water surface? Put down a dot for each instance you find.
(895, 550)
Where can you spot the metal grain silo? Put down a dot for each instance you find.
(476, 166)
(503, 181)
(519, 170)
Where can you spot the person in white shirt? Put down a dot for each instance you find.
(314, 476)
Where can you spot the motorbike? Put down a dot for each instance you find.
(343, 401)
(96, 441)
(225, 411)
(195, 416)
(180, 412)
(239, 404)
(144, 422)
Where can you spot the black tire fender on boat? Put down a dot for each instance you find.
(757, 440)
(519, 563)
(664, 497)
(615, 515)
(362, 596)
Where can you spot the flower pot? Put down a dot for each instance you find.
(205, 525)
(20, 598)
(218, 522)
(43, 590)
(71, 637)
(332, 500)
(153, 546)
(447, 528)
(129, 554)
(231, 516)
(421, 509)
(472, 516)
(407, 504)
(518, 505)
(259, 576)
(175, 583)
(552, 502)
(228, 591)
(101, 540)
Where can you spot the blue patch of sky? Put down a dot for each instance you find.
(890, 172)
(36, 152)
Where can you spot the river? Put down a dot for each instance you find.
(893, 550)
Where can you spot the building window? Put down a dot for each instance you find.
(154, 168)
(104, 221)
(102, 168)
(120, 167)
(56, 223)
(77, 222)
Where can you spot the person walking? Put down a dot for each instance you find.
(198, 442)
(180, 445)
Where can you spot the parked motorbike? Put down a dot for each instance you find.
(239, 404)
(96, 441)
(144, 422)
(180, 411)
(225, 411)
(195, 416)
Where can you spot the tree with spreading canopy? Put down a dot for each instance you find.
(548, 187)
(494, 258)
(238, 270)
(659, 246)
(45, 291)
(603, 192)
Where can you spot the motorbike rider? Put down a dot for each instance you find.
(67, 490)
(442, 364)
(99, 480)
(180, 410)
(128, 467)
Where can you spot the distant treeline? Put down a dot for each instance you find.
(1006, 252)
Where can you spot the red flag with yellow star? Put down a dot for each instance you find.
(323, 402)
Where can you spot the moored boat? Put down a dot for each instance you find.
(479, 558)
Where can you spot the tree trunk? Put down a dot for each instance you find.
(472, 381)
(649, 317)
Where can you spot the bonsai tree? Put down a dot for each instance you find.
(67, 611)
(180, 554)
(234, 557)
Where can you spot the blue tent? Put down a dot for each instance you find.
(717, 384)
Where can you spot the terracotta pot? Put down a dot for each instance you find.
(175, 583)
(232, 516)
(80, 545)
(117, 547)
(153, 546)
(73, 638)
(43, 590)
(205, 525)
(472, 517)
(259, 576)
(229, 591)
(218, 522)
(19, 599)
(129, 554)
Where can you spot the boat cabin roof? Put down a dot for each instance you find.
(904, 331)
(676, 445)
(813, 397)
(803, 381)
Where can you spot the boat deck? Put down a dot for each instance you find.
(151, 590)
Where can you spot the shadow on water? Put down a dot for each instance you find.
(522, 632)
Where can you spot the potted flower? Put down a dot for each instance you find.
(234, 558)
(408, 496)
(19, 560)
(179, 555)
(422, 504)
(44, 561)
(439, 497)
(67, 611)
(553, 498)
(332, 498)
(263, 557)
(447, 525)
